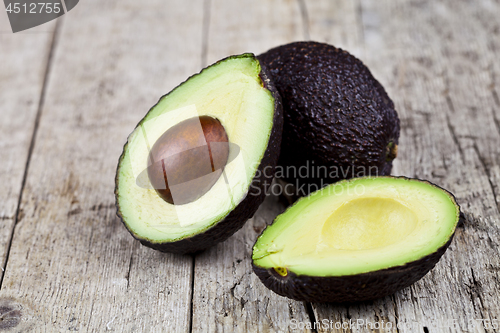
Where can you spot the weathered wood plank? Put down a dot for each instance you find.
(339, 23)
(255, 27)
(436, 60)
(72, 265)
(227, 296)
(451, 121)
(23, 58)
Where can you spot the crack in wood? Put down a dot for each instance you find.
(348, 315)
(207, 4)
(446, 92)
(495, 119)
(41, 103)
(361, 25)
(129, 267)
(476, 288)
(478, 224)
(75, 211)
(305, 18)
(266, 306)
(493, 85)
(475, 291)
(495, 97)
(488, 175)
(396, 314)
(312, 317)
(236, 284)
(455, 138)
(101, 206)
(191, 304)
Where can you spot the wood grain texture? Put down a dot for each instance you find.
(339, 23)
(237, 27)
(436, 61)
(336, 22)
(72, 264)
(227, 296)
(23, 58)
(447, 120)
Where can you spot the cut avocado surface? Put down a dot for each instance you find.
(234, 94)
(356, 240)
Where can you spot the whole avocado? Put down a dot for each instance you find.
(339, 122)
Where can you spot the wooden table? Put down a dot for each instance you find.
(72, 90)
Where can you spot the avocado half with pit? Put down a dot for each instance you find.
(198, 165)
(356, 240)
(339, 122)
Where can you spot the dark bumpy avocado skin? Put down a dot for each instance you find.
(222, 230)
(336, 114)
(353, 288)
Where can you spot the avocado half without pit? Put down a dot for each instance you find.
(356, 240)
(198, 165)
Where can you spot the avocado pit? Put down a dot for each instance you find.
(188, 159)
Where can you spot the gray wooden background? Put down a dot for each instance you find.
(72, 90)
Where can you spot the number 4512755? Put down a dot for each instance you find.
(34, 8)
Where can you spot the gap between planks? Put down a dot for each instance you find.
(41, 101)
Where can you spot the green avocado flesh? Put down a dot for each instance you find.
(358, 226)
(230, 91)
